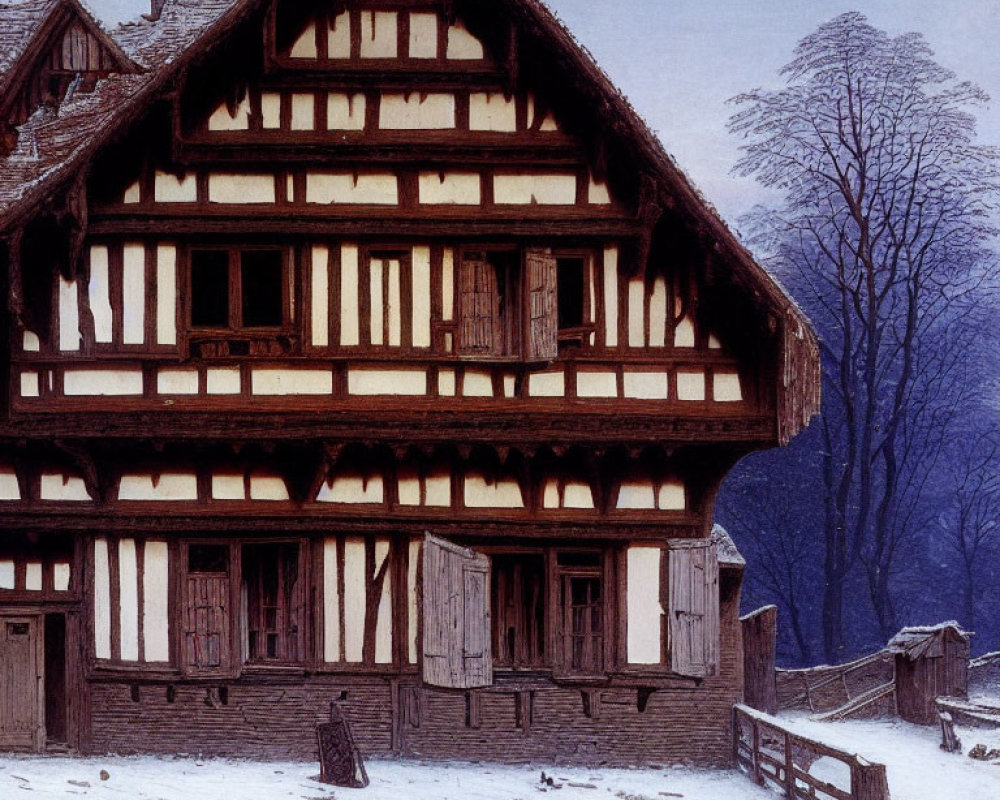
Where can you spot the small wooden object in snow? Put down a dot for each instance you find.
(340, 761)
(949, 740)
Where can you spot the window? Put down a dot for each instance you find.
(206, 610)
(581, 613)
(490, 303)
(518, 610)
(236, 289)
(574, 277)
(270, 602)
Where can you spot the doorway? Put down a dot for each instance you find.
(21, 689)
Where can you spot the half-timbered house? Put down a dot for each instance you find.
(370, 352)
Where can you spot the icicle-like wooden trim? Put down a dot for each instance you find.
(800, 379)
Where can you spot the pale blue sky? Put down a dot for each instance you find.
(680, 60)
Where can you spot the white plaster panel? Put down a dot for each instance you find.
(132, 194)
(596, 384)
(691, 385)
(642, 385)
(155, 612)
(166, 294)
(305, 45)
(672, 496)
(550, 495)
(509, 385)
(477, 383)
(577, 495)
(408, 490)
(658, 314)
(320, 328)
(353, 489)
(30, 342)
(376, 302)
(268, 488)
(383, 622)
(503, 493)
(636, 313)
(128, 600)
(29, 384)
(290, 187)
(350, 329)
(240, 189)
(547, 384)
(421, 280)
(423, 35)
(303, 111)
(63, 488)
(167, 487)
(462, 45)
(379, 36)
(102, 599)
(291, 381)
(335, 188)
(69, 315)
(177, 381)
(448, 284)
(684, 333)
(611, 296)
(401, 382)
(9, 488)
(449, 188)
(100, 294)
(331, 603)
(223, 380)
(643, 609)
(726, 387)
(394, 305)
(7, 575)
(597, 193)
(492, 111)
(102, 382)
(228, 486)
(134, 294)
(338, 37)
(636, 495)
(446, 382)
(61, 574)
(549, 124)
(169, 188)
(222, 120)
(417, 111)
(33, 576)
(412, 599)
(437, 491)
(270, 110)
(714, 343)
(345, 112)
(355, 598)
(546, 190)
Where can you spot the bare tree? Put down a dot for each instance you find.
(881, 237)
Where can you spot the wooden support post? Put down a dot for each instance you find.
(789, 767)
(758, 778)
(869, 781)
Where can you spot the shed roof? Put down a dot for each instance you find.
(926, 641)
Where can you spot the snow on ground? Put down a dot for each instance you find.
(917, 767)
(153, 778)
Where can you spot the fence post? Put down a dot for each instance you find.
(757, 777)
(789, 767)
(869, 781)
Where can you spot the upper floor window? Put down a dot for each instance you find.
(236, 289)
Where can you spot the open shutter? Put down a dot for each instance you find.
(543, 340)
(479, 306)
(457, 651)
(693, 622)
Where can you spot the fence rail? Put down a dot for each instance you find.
(773, 756)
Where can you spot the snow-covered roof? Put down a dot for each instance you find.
(19, 20)
(729, 554)
(926, 640)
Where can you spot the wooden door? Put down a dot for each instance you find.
(20, 684)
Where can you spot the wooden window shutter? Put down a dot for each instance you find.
(543, 339)
(482, 329)
(206, 624)
(693, 617)
(457, 642)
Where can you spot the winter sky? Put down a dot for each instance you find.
(679, 61)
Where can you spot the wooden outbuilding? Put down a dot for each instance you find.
(371, 352)
(931, 662)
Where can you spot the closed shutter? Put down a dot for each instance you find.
(482, 330)
(457, 649)
(543, 340)
(693, 622)
(206, 624)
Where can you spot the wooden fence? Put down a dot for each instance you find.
(823, 689)
(773, 756)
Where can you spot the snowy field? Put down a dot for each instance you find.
(150, 778)
(916, 766)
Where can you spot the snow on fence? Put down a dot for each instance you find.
(806, 769)
(824, 689)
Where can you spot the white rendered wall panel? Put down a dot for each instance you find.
(155, 612)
